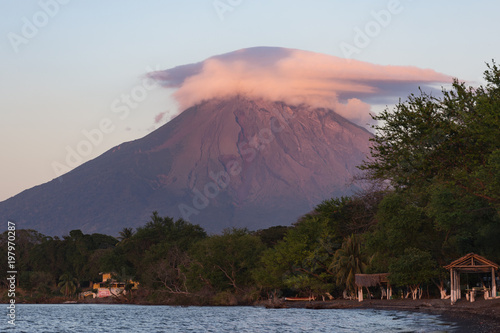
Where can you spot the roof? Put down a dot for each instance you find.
(472, 263)
(370, 280)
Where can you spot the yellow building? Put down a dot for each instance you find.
(111, 287)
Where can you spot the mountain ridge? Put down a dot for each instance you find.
(230, 162)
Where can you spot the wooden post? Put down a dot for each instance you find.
(455, 286)
(458, 285)
(452, 286)
(360, 294)
(493, 283)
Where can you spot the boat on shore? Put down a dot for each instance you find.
(300, 298)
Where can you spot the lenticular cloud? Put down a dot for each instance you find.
(296, 77)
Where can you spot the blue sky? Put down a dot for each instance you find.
(63, 78)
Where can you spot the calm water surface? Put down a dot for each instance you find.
(136, 318)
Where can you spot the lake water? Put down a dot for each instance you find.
(136, 318)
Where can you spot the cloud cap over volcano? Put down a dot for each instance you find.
(295, 77)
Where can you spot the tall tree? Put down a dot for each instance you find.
(68, 284)
(453, 140)
(412, 269)
(126, 234)
(441, 156)
(348, 261)
(301, 259)
(225, 261)
(141, 251)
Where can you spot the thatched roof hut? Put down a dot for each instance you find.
(371, 280)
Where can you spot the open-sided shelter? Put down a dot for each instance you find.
(371, 280)
(470, 263)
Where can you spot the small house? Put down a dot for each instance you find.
(111, 287)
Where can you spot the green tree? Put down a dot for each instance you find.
(68, 284)
(126, 234)
(300, 261)
(168, 272)
(441, 155)
(271, 236)
(467, 223)
(451, 140)
(412, 269)
(402, 223)
(41, 282)
(348, 261)
(149, 245)
(224, 262)
(26, 240)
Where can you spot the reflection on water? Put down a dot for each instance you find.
(136, 318)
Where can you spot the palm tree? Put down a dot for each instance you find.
(67, 283)
(349, 261)
(125, 234)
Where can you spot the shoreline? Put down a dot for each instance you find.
(482, 316)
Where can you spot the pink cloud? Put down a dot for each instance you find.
(159, 117)
(295, 77)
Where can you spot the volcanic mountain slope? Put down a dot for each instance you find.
(223, 163)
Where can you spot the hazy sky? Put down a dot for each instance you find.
(68, 66)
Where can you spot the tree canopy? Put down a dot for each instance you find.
(452, 140)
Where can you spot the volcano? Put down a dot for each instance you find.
(227, 162)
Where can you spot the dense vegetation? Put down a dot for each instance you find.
(434, 195)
